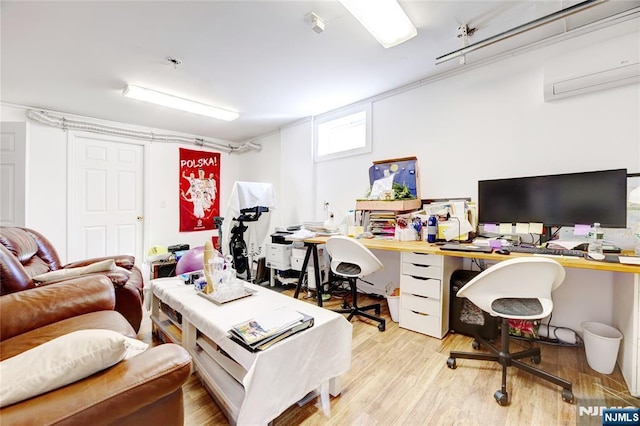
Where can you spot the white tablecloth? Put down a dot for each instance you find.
(287, 371)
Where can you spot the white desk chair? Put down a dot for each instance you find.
(351, 260)
(518, 288)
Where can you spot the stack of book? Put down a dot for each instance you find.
(262, 331)
(382, 224)
(318, 228)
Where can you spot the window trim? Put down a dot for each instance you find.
(335, 115)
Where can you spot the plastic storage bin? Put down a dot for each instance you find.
(394, 307)
(601, 344)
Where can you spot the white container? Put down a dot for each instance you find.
(601, 344)
(394, 307)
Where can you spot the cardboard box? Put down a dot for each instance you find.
(397, 205)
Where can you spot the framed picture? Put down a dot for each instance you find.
(199, 186)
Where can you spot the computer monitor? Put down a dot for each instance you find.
(556, 200)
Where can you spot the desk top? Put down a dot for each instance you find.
(425, 247)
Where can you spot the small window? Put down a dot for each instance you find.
(343, 133)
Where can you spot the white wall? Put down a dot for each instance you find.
(47, 185)
(488, 122)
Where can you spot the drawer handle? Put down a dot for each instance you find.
(421, 266)
(420, 278)
(420, 313)
(422, 254)
(420, 296)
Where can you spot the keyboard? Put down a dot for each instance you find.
(546, 251)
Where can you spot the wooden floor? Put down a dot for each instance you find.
(399, 377)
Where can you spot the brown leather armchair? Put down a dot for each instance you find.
(25, 253)
(146, 388)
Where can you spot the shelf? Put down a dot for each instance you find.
(171, 330)
(224, 388)
(229, 365)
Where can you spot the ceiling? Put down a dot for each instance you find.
(259, 58)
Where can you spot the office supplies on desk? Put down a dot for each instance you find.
(629, 260)
(465, 247)
(595, 256)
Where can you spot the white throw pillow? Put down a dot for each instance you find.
(101, 266)
(61, 361)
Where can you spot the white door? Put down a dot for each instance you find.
(13, 173)
(106, 197)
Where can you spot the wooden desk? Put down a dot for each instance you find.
(427, 248)
(626, 291)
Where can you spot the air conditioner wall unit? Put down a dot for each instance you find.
(626, 72)
(592, 64)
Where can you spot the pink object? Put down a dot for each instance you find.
(192, 260)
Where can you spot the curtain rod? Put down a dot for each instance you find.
(519, 29)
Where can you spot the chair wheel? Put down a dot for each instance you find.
(451, 363)
(345, 305)
(475, 344)
(535, 359)
(377, 310)
(502, 398)
(567, 396)
(381, 326)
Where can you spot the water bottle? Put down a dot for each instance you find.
(432, 229)
(596, 237)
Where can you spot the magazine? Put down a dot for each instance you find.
(262, 331)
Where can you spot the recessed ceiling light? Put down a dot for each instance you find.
(159, 98)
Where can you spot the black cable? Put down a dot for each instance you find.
(476, 261)
(555, 233)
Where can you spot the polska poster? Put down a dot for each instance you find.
(199, 189)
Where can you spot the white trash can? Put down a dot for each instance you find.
(601, 344)
(394, 307)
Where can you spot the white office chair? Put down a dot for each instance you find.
(518, 288)
(351, 260)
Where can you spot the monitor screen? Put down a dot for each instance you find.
(556, 200)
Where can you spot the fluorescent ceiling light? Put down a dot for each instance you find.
(148, 95)
(384, 19)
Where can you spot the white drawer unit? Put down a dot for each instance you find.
(424, 292)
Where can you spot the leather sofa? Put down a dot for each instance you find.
(144, 389)
(25, 253)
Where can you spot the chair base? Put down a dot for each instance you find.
(506, 359)
(356, 310)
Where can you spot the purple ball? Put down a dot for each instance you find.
(192, 260)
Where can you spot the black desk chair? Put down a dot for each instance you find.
(351, 260)
(517, 288)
